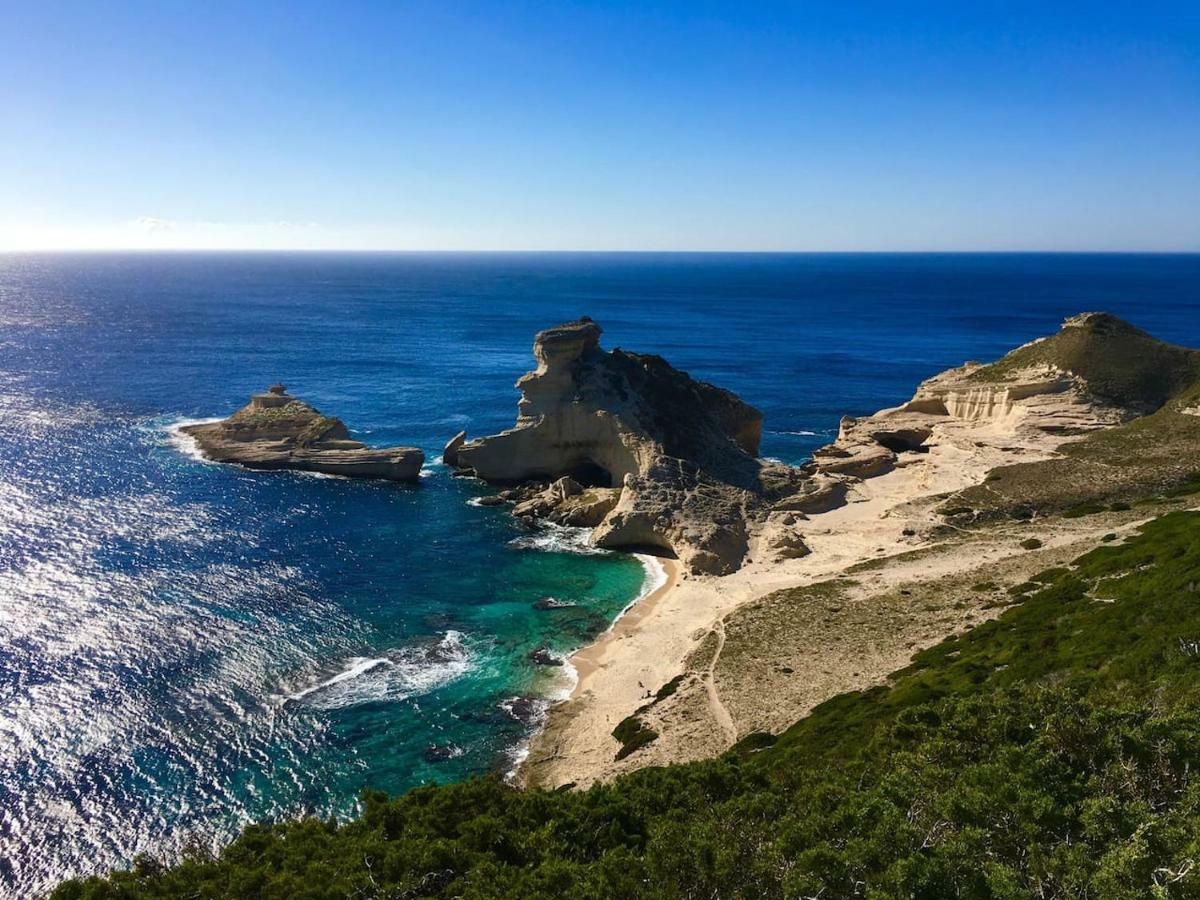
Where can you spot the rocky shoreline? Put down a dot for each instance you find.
(277, 431)
(654, 461)
(894, 564)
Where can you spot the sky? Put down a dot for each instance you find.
(691, 125)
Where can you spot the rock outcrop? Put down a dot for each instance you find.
(450, 452)
(1096, 372)
(652, 459)
(277, 431)
(649, 456)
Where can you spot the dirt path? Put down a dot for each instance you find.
(719, 713)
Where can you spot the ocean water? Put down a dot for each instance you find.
(185, 646)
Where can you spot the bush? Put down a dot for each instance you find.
(1022, 758)
(633, 734)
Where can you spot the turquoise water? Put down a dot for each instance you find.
(186, 646)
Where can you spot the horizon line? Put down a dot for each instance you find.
(593, 251)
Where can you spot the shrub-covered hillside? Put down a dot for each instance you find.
(1049, 753)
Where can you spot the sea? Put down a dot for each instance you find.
(186, 647)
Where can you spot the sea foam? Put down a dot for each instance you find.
(402, 673)
(184, 443)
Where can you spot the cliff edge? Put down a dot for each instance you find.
(650, 457)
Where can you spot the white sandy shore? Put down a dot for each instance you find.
(651, 643)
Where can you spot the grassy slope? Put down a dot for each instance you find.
(1152, 454)
(1047, 753)
(1121, 363)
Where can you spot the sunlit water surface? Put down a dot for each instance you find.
(185, 647)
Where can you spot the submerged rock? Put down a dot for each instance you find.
(277, 431)
(543, 657)
(490, 500)
(552, 603)
(436, 753)
(525, 710)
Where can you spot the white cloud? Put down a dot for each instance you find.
(153, 225)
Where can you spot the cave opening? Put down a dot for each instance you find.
(590, 475)
(904, 441)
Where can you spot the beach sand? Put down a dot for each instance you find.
(680, 629)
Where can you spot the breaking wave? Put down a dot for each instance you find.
(185, 443)
(551, 538)
(400, 674)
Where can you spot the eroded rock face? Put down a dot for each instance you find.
(450, 452)
(277, 431)
(1078, 380)
(649, 456)
(567, 502)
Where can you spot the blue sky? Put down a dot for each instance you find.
(567, 125)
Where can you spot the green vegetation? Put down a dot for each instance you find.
(311, 426)
(1120, 363)
(633, 734)
(1049, 576)
(295, 411)
(1025, 587)
(1049, 752)
(1030, 544)
(669, 688)
(1147, 460)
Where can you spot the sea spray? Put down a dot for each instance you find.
(401, 674)
(184, 443)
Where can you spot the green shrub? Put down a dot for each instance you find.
(1083, 509)
(1052, 751)
(633, 734)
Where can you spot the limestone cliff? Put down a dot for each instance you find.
(1096, 372)
(276, 431)
(658, 459)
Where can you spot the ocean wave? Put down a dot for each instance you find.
(185, 443)
(803, 433)
(531, 712)
(550, 538)
(398, 675)
(358, 665)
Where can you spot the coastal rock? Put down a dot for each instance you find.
(1096, 372)
(277, 431)
(784, 543)
(642, 452)
(543, 657)
(566, 502)
(450, 453)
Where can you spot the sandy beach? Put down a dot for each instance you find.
(887, 526)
